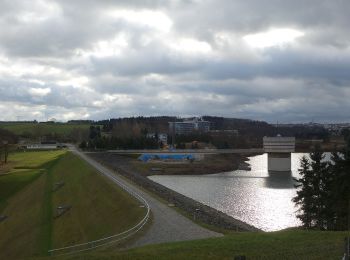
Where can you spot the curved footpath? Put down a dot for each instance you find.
(168, 225)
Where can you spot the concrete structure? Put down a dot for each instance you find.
(189, 126)
(43, 146)
(279, 151)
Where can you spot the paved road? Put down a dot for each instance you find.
(192, 151)
(168, 225)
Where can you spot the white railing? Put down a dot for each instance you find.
(111, 239)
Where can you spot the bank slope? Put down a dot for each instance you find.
(98, 207)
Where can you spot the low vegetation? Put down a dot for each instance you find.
(29, 198)
(276, 245)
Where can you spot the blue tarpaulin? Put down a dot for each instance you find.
(147, 157)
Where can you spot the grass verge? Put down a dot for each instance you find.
(275, 245)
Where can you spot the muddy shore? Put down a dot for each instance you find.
(205, 214)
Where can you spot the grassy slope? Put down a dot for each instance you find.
(277, 245)
(43, 128)
(99, 208)
(34, 159)
(14, 182)
(20, 232)
(23, 169)
(25, 196)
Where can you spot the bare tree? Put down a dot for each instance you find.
(1, 147)
(6, 150)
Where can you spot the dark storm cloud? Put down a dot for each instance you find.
(102, 59)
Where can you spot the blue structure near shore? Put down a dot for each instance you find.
(174, 157)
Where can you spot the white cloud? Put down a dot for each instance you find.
(39, 92)
(190, 46)
(273, 37)
(153, 19)
(38, 11)
(106, 48)
(73, 115)
(75, 81)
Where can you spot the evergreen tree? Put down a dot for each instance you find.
(324, 191)
(305, 195)
(312, 196)
(341, 190)
(319, 174)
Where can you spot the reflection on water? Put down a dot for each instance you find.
(282, 180)
(257, 197)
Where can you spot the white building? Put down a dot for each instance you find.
(189, 126)
(279, 151)
(44, 146)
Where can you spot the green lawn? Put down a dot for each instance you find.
(24, 167)
(23, 201)
(34, 159)
(14, 182)
(99, 208)
(276, 245)
(42, 128)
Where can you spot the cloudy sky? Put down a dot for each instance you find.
(94, 59)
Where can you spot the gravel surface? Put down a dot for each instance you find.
(168, 225)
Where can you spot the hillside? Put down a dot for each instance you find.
(48, 130)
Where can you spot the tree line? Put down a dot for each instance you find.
(323, 194)
(131, 133)
(131, 139)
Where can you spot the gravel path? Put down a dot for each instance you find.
(168, 225)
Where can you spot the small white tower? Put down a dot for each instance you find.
(279, 151)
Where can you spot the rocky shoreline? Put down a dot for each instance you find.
(199, 211)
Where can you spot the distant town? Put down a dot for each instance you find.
(170, 132)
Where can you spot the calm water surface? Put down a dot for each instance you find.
(255, 197)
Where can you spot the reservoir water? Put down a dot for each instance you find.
(256, 197)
